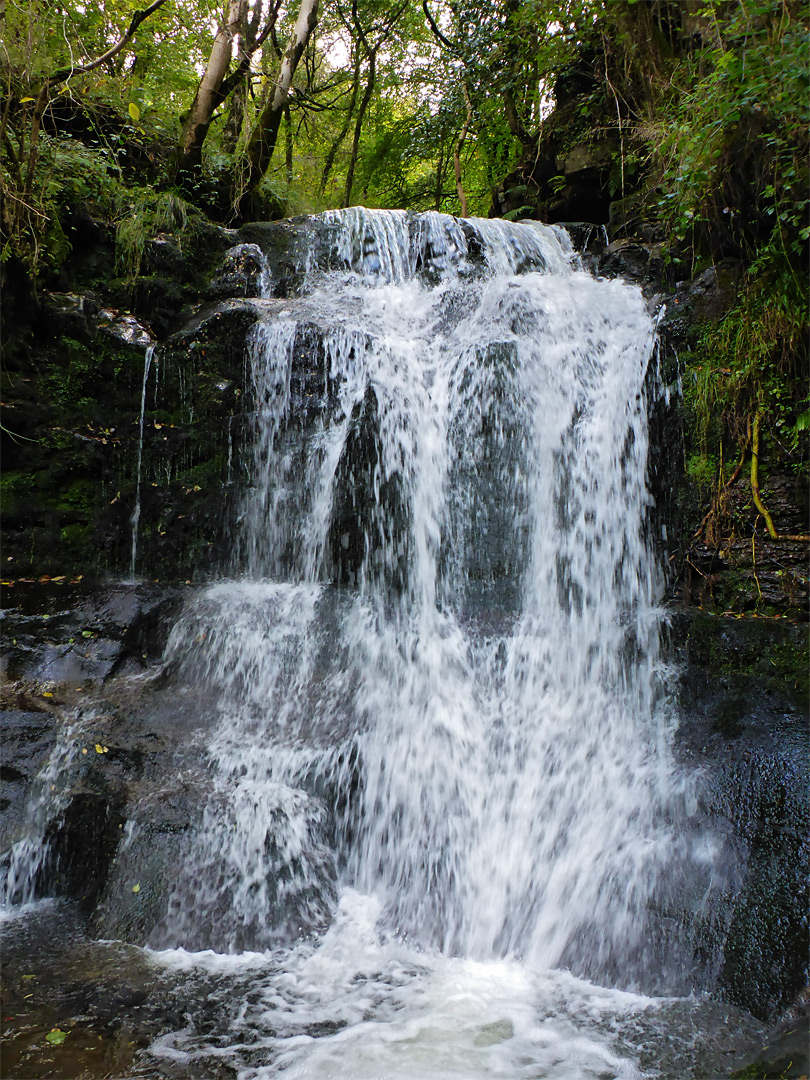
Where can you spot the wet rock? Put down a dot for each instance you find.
(694, 302)
(125, 327)
(27, 733)
(285, 245)
(633, 260)
(783, 1054)
(82, 842)
(368, 534)
(743, 698)
(72, 314)
(74, 635)
(243, 273)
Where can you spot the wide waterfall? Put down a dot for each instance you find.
(439, 780)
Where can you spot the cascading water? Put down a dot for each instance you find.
(28, 856)
(438, 726)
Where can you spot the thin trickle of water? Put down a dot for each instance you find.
(136, 513)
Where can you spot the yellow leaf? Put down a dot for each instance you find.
(24, 99)
(134, 111)
(136, 888)
(99, 748)
(47, 693)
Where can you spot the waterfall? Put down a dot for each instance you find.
(437, 666)
(440, 790)
(401, 800)
(136, 512)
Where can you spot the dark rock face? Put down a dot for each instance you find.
(744, 727)
(241, 273)
(75, 636)
(82, 843)
(368, 534)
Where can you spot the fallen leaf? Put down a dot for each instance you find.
(136, 888)
(56, 1036)
(47, 693)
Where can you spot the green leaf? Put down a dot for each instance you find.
(134, 111)
(56, 1037)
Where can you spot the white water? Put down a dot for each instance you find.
(452, 767)
(22, 864)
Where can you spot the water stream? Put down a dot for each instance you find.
(440, 779)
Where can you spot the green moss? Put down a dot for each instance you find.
(701, 469)
(789, 663)
(765, 1070)
(16, 489)
(77, 539)
(771, 652)
(205, 473)
(80, 495)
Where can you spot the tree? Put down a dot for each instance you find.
(262, 141)
(248, 35)
(32, 77)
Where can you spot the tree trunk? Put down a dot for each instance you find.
(288, 145)
(438, 191)
(262, 142)
(209, 92)
(459, 147)
(236, 116)
(361, 112)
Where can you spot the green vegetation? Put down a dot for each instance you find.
(690, 122)
(773, 653)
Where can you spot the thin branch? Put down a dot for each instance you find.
(774, 535)
(137, 19)
(440, 37)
